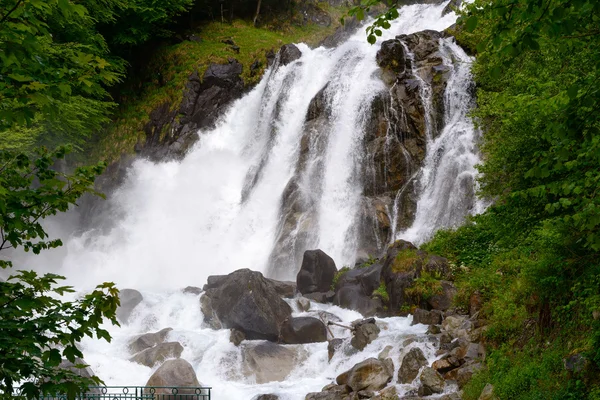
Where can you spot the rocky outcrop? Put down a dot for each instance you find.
(157, 354)
(245, 300)
(316, 273)
(129, 299)
(403, 265)
(148, 340)
(269, 362)
(431, 382)
(303, 330)
(172, 130)
(397, 131)
(174, 373)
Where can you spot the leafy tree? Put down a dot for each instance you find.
(38, 328)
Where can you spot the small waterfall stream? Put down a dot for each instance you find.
(220, 209)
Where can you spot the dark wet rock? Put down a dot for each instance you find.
(312, 13)
(364, 332)
(333, 346)
(425, 317)
(285, 289)
(248, 302)
(392, 56)
(174, 373)
(148, 340)
(576, 363)
(431, 382)
(269, 362)
(171, 131)
(192, 290)
(410, 365)
(371, 374)
(236, 337)
(354, 298)
(157, 354)
(367, 278)
(321, 297)
(289, 53)
(129, 299)
(303, 330)
(316, 273)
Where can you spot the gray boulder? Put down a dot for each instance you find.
(371, 374)
(85, 372)
(245, 300)
(412, 362)
(431, 382)
(148, 340)
(174, 373)
(129, 299)
(333, 346)
(303, 330)
(268, 362)
(236, 337)
(364, 333)
(316, 273)
(157, 354)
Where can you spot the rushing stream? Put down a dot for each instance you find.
(218, 210)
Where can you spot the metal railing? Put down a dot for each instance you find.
(137, 393)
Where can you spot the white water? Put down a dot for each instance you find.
(180, 222)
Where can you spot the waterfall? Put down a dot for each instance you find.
(265, 184)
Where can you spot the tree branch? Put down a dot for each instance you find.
(11, 11)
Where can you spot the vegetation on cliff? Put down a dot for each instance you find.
(534, 255)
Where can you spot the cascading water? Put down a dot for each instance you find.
(219, 210)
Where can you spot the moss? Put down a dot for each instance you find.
(381, 291)
(164, 78)
(405, 260)
(337, 276)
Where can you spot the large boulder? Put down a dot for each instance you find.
(174, 373)
(316, 273)
(129, 299)
(411, 364)
(85, 372)
(157, 354)
(367, 278)
(269, 362)
(431, 382)
(303, 330)
(245, 300)
(147, 340)
(425, 317)
(371, 374)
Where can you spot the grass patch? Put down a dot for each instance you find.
(337, 276)
(405, 260)
(425, 286)
(165, 76)
(381, 291)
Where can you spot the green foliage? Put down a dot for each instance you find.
(382, 21)
(54, 68)
(426, 286)
(38, 328)
(405, 260)
(370, 261)
(337, 276)
(381, 291)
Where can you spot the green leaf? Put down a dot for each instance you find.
(471, 23)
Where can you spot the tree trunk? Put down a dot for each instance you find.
(257, 11)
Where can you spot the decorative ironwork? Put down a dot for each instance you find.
(137, 393)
